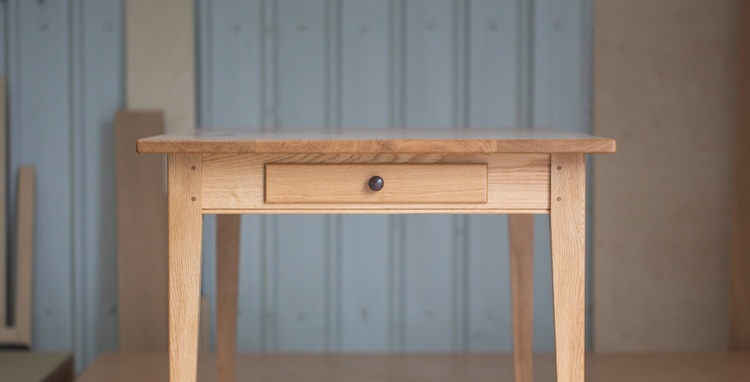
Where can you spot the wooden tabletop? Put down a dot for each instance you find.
(412, 141)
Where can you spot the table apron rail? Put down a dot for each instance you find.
(401, 183)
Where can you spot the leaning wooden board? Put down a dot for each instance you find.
(159, 75)
(739, 337)
(160, 56)
(666, 89)
(20, 334)
(24, 254)
(3, 212)
(141, 233)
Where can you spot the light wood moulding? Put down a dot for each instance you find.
(403, 183)
(515, 183)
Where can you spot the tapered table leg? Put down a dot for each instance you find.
(568, 228)
(227, 278)
(185, 235)
(521, 233)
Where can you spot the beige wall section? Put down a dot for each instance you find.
(160, 59)
(665, 89)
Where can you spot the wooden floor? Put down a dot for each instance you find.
(23, 366)
(688, 367)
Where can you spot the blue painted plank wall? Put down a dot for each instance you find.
(371, 283)
(318, 283)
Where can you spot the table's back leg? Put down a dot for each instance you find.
(568, 228)
(185, 235)
(521, 233)
(227, 279)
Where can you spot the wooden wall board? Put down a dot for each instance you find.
(160, 59)
(477, 367)
(664, 88)
(20, 334)
(36, 367)
(25, 202)
(159, 75)
(3, 211)
(142, 234)
(739, 336)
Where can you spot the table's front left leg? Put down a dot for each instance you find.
(568, 229)
(185, 235)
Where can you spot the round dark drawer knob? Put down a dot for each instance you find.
(376, 183)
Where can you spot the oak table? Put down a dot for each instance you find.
(517, 172)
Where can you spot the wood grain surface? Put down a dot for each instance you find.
(403, 183)
(568, 239)
(141, 235)
(739, 324)
(415, 141)
(521, 234)
(25, 212)
(185, 237)
(160, 59)
(646, 367)
(665, 87)
(227, 293)
(235, 182)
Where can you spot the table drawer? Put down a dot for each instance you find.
(401, 183)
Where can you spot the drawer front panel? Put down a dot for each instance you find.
(402, 183)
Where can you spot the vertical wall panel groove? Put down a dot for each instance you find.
(365, 240)
(231, 76)
(396, 117)
(96, 92)
(429, 240)
(204, 115)
(268, 122)
(39, 78)
(301, 72)
(80, 271)
(460, 121)
(494, 86)
(331, 119)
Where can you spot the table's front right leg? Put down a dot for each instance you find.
(185, 235)
(568, 226)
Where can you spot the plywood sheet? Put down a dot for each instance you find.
(664, 88)
(160, 59)
(141, 235)
(740, 298)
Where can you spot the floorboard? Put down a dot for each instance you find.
(687, 367)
